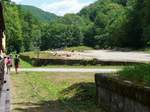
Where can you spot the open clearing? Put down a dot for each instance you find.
(104, 55)
(107, 55)
(53, 92)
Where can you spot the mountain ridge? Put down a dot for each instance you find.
(38, 13)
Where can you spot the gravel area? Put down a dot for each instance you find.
(107, 55)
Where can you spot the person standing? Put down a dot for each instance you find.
(8, 64)
(16, 63)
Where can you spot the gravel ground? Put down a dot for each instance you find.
(107, 55)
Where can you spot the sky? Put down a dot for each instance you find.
(59, 7)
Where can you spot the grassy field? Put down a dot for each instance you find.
(54, 92)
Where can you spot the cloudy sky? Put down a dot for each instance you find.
(59, 7)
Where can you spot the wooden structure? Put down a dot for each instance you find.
(4, 78)
(2, 28)
(1, 73)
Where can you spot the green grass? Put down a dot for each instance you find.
(79, 48)
(147, 50)
(24, 64)
(54, 92)
(138, 74)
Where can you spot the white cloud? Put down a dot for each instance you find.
(62, 7)
(16, 1)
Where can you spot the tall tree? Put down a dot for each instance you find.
(13, 27)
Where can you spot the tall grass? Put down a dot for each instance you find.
(137, 73)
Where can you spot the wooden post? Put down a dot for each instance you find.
(2, 28)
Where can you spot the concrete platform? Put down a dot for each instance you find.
(5, 95)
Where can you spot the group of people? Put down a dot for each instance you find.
(9, 62)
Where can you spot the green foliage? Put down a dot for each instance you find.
(31, 30)
(23, 31)
(107, 17)
(24, 64)
(118, 23)
(138, 73)
(13, 28)
(103, 24)
(39, 14)
(59, 35)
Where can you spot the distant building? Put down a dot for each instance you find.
(2, 29)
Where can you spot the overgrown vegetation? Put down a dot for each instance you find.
(24, 64)
(59, 92)
(104, 24)
(137, 74)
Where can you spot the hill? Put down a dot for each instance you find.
(38, 13)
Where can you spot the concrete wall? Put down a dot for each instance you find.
(61, 61)
(116, 95)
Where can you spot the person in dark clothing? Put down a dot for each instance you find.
(16, 63)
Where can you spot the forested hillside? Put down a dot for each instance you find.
(104, 24)
(118, 23)
(39, 14)
(21, 28)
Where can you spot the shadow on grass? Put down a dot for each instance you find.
(76, 98)
(44, 106)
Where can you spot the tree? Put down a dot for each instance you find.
(13, 28)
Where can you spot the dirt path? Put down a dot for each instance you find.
(67, 70)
